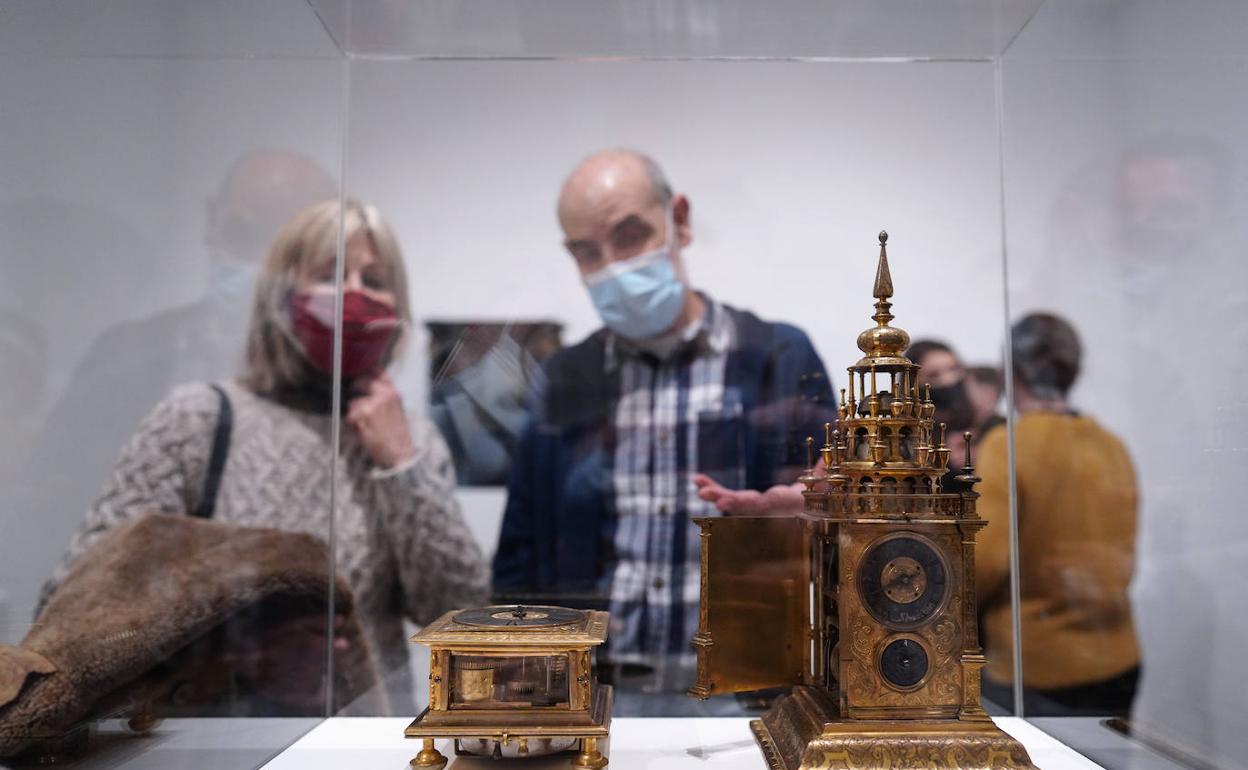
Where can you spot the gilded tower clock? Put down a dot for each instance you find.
(865, 603)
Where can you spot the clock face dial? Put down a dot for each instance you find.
(903, 580)
(903, 663)
(518, 617)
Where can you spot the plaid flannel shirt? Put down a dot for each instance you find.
(601, 493)
(658, 446)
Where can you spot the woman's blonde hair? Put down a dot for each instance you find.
(273, 359)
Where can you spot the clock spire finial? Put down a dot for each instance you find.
(883, 279)
(883, 343)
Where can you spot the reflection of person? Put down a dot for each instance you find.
(482, 374)
(1171, 193)
(132, 365)
(24, 350)
(602, 488)
(400, 539)
(1076, 536)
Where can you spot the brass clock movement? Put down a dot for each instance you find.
(865, 602)
(514, 681)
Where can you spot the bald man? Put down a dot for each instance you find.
(260, 192)
(675, 384)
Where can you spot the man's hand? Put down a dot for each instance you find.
(780, 500)
(378, 417)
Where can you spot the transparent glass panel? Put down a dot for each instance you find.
(1124, 180)
(150, 155)
(790, 170)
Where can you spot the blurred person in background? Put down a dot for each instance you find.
(255, 451)
(984, 388)
(963, 401)
(1076, 534)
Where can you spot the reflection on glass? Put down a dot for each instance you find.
(482, 375)
(132, 365)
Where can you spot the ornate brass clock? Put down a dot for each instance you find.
(865, 603)
(514, 681)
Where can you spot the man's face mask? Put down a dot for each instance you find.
(230, 280)
(639, 297)
(369, 328)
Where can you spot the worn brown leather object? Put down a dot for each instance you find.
(159, 614)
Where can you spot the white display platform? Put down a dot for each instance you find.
(360, 743)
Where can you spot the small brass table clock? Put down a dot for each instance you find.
(514, 681)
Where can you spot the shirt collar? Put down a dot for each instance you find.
(712, 333)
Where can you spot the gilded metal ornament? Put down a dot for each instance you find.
(514, 681)
(865, 602)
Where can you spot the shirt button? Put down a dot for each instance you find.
(663, 510)
(658, 583)
(663, 434)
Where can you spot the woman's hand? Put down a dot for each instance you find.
(377, 415)
(780, 500)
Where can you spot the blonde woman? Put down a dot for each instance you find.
(400, 539)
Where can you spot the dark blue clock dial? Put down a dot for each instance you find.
(903, 581)
(903, 663)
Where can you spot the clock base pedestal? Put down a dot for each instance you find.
(801, 731)
(429, 757)
(590, 757)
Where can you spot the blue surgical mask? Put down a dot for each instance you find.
(231, 281)
(639, 297)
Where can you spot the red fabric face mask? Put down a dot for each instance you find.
(368, 329)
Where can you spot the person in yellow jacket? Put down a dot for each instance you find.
(1076, 534)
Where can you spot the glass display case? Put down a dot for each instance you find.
(287, 198)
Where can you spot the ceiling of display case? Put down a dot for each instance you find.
(226, 29)
(747, 29)
(622, 29)
(1125, 29)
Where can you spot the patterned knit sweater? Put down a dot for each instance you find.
(401, 540)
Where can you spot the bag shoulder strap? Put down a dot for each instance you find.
(216, 460)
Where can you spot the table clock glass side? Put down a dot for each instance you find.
(514, 681)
